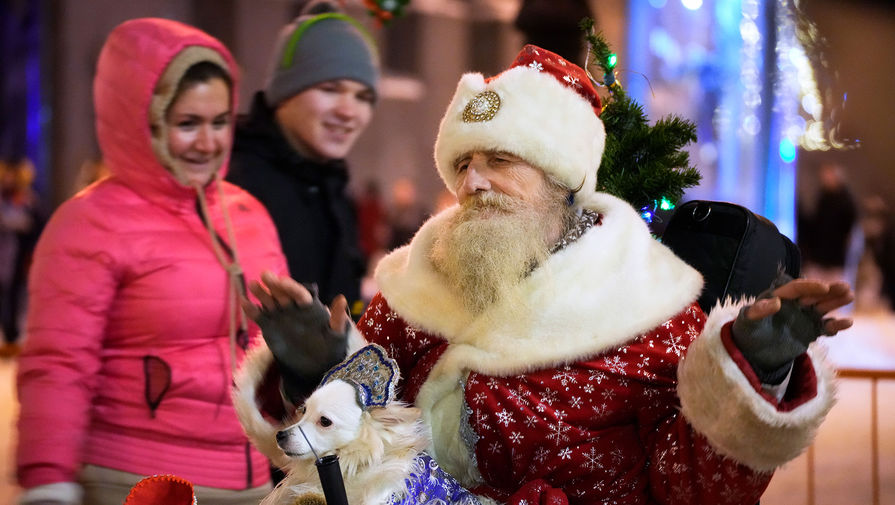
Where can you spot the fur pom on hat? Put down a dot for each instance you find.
(322, 44)
(543, 109)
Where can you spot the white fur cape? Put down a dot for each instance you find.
(611, 285)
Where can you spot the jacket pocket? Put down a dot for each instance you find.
(157, 380)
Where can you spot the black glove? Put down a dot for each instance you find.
(303, 345)
(772, 343)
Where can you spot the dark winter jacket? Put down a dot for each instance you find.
(307, 200)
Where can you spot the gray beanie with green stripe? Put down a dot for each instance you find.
(322, 44)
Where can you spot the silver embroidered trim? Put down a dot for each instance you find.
(372, 373)
(467, 434)
(586, 220)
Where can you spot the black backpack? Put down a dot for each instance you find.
(737, 251)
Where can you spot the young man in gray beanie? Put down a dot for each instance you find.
(289, 150)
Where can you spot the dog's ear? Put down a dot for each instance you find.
(396, 414)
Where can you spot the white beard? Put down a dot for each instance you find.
(495, 241)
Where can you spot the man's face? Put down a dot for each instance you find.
(323, 121)
(510, 216)
(497, 172)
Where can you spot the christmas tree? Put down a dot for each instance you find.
(642, 164)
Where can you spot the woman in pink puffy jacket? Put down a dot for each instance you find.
(134, 327)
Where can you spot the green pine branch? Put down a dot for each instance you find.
(641, 164)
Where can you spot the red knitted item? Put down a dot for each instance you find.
(161, 489)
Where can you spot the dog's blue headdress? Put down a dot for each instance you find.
(372, 373)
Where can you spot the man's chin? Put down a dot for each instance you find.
(491, 213)
(493, 216)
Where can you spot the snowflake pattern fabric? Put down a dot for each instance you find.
(606, 429)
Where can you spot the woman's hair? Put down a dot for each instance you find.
(198, 73)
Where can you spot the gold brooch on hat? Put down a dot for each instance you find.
(482, 107)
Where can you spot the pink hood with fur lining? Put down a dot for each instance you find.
(122, 92)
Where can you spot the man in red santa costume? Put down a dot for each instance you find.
(555, 347)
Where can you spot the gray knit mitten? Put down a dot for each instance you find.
(772, 343)
(303, 345)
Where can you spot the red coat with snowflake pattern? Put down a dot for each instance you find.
(596, 379)
(604, 430)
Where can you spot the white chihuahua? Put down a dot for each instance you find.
(353, 414)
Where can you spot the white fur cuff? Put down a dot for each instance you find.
(719, 402)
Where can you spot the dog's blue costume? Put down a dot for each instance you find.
(374, 376)
(428, 483)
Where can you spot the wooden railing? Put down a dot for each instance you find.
(874, 375)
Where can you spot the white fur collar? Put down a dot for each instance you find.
(614, 283)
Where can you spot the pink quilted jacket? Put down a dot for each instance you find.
(127, 360)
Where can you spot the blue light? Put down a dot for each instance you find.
(647, 216)
(663, 45)
(787, 151)
(657, 3)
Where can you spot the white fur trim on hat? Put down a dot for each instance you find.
(541, 120)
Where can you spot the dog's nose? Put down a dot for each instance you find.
(282, 435)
